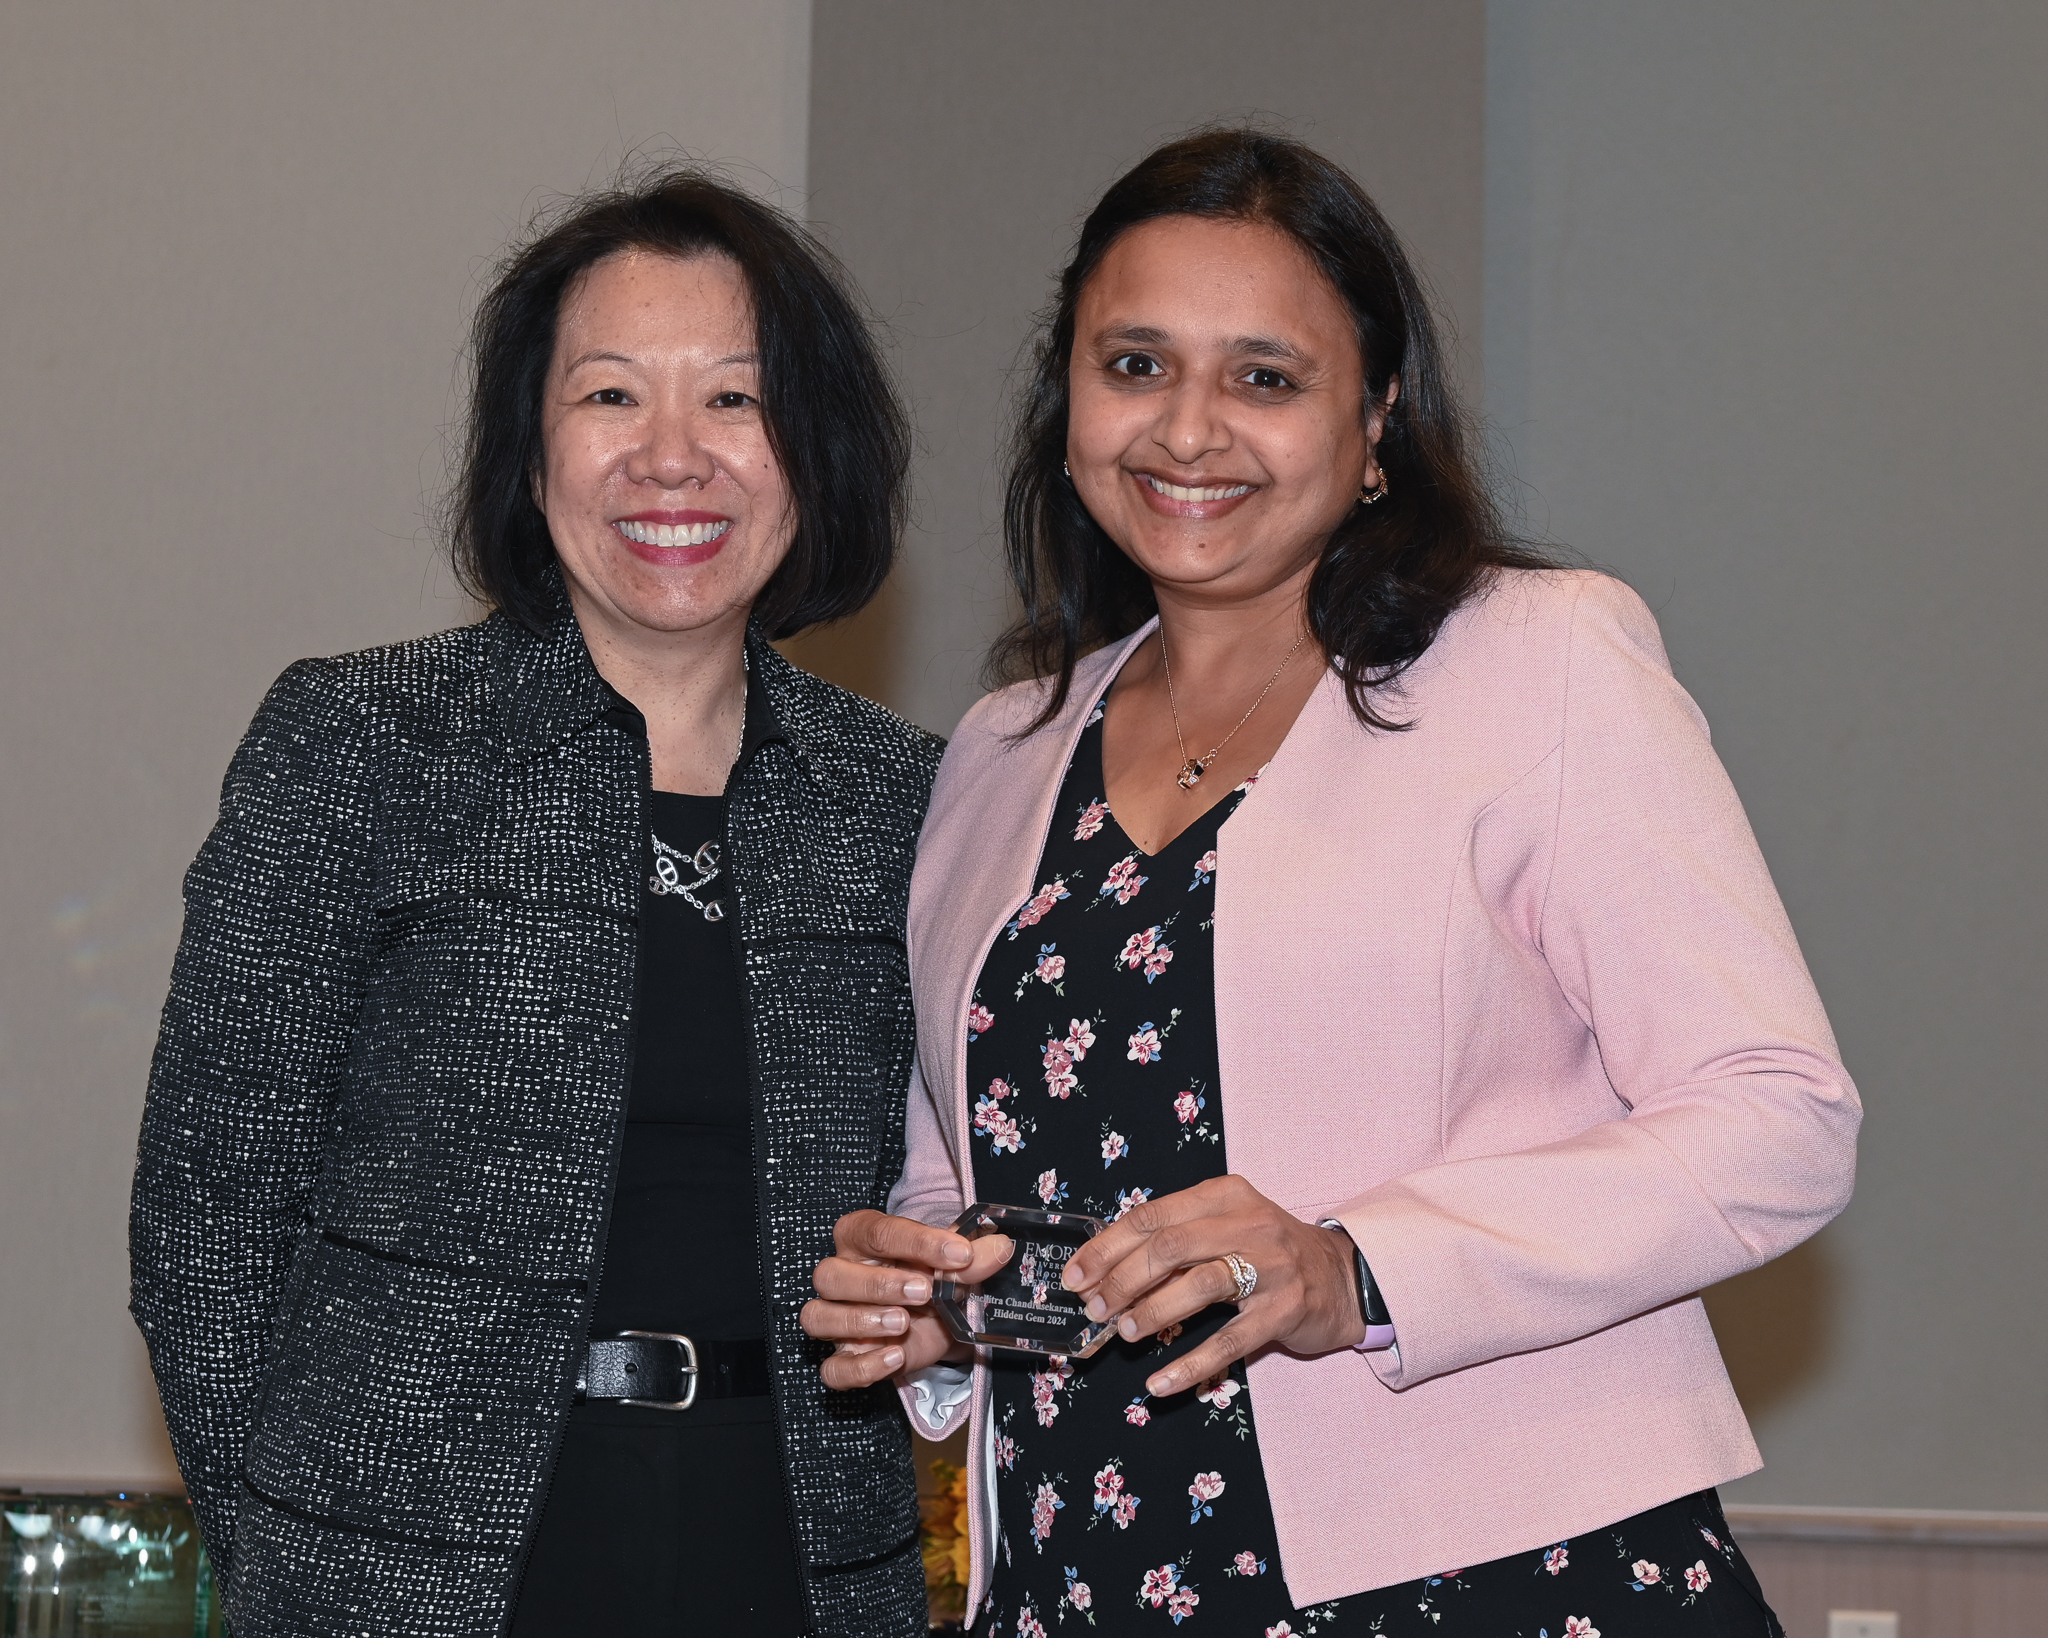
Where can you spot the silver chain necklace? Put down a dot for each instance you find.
(669, 865)
(1193, 767)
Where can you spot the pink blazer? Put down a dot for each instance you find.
(1512, 995)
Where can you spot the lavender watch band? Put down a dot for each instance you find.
(1379, 1326)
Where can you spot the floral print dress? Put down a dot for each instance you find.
(1093, 1063)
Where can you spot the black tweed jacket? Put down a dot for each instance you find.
(377, 1156)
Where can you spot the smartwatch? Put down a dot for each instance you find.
(1379, 1325)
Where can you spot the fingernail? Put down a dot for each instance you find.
(1070, 1277)
(892, 1358)
(916, 1291)
(1097, 1309)
(959, 1254)
(1127, 1328)
(893, 1320)
(1159, 1386)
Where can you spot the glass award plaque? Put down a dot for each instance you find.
(1022, 1305)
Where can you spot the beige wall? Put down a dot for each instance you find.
(1762, 332)
(1765, 332)
(238, 244)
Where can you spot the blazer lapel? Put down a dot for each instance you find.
(990, 816)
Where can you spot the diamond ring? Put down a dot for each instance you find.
(1242, 1271)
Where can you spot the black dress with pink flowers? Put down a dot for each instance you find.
(1092, 1054)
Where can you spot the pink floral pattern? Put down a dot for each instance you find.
(1165, 1586)
(1112, 1500)
(991, 1120)
(1047, 1386)
(1060, 1079)
(1038, 906)
(1077, 1597)
(1046, 1503)
(1123, 881)
(1148, 950)
(1206, 1488)
(1114, 984)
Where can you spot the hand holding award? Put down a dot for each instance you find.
(875, 1295)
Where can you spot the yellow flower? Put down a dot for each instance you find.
(945, 1529)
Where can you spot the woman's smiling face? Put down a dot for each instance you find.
(668, 509)
(1215, 426)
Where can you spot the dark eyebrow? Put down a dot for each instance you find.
(1134, 335)
(1145, 335)
(1269, 347)
(600, 357)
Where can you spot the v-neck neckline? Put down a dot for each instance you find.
(1242, 787)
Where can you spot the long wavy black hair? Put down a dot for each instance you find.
(833, 416)
(1391, 573)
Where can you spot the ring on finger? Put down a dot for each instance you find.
(1246, 1275)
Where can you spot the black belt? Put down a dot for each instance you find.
(671, 1372)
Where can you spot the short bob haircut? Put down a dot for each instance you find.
(1391, 573)
(833, 416)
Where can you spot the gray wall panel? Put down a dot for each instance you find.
(1765, 333)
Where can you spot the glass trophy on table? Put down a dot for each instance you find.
(1022, 1306)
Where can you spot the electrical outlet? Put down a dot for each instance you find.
(1863, 1624)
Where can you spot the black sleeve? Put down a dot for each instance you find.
(263, 1002)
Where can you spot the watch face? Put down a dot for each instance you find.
(1022, 1306)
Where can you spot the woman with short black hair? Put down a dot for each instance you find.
(542, 1002)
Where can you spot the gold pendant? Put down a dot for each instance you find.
(1190, 774)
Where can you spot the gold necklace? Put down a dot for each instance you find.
(1193, 767)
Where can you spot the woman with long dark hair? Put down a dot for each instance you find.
(542, 1002)
(1345, 906)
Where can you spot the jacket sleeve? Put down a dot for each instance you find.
(263, 1000)
(930, 1191)
(1662, 929)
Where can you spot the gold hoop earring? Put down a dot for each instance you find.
(1371, 496)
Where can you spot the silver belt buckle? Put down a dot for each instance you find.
(689, 1370)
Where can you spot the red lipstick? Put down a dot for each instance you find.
(674, 539)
